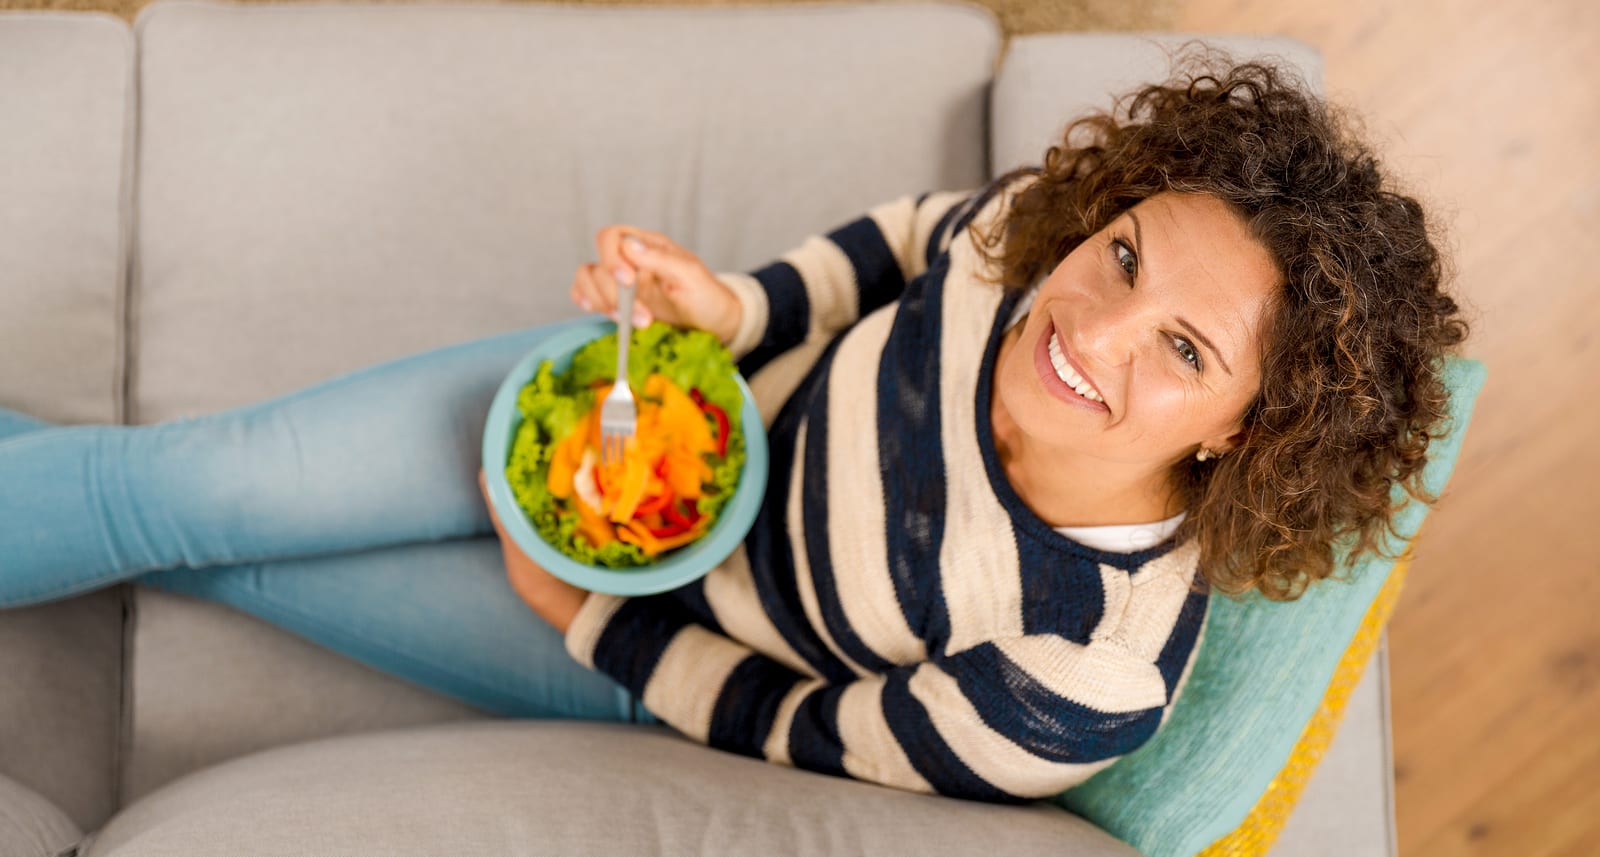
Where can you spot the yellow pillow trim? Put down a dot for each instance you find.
(1261, 827)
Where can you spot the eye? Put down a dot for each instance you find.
(1125, 258)
(1187, 352)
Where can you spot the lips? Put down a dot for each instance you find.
(1061, 377)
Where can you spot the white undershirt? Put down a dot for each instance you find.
(1116, 538)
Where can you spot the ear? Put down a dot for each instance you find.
(1226, 444)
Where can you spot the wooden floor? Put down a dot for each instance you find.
(1492, 112)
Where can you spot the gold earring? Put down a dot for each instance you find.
(1203, 454)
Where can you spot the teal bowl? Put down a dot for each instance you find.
(686, 564)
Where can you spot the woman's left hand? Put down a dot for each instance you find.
(556, 600)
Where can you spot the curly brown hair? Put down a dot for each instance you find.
(1352, 350)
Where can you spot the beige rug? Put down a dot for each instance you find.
(1016, 16)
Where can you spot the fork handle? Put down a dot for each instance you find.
(624, 329)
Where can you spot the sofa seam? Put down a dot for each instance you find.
(122, 744)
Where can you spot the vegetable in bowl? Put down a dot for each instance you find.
(678, 472)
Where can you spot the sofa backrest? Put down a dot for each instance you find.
(324, 187)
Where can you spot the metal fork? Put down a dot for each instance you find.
(618, 415)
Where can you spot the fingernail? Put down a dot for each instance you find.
(641, 318)
(584, 305)
(623, 276)
(636, 246)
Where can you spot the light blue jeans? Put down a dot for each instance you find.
(348, 513)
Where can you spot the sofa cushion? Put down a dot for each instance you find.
(561, 788)
(31, 826)
(66, 104)
(200, 674)
(66, 107)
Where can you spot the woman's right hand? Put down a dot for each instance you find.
(674, 286)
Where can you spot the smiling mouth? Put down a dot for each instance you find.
(1059, 376)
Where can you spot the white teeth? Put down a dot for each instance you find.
(1070, 378)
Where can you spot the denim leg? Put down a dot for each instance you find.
(13, 423)
(383, 456)
(441, 615)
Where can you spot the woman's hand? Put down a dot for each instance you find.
(674, 285)
(554, 599)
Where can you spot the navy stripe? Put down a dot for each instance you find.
(814, 742)
(927, 750)
(814, 503)
(879, 279)
(748, 705)
(768, 543)
(631, 644)
(788, 315)
(1015, 704)
(911, 456)
(692, 598)
(1175, 654)
(1061, 592)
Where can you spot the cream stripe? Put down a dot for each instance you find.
(1115, 591)
(1154, 604)
(830, 283)
(856, 525)
(776, 748)
(1101, 677)
(978, 560)
(1182, 561)
(993, 757)
(583, 632)
(687, 680)
(871, 752)
(802, 563)
(731, 591)
(777, 381)
(897, 221)
(933, 208)
(753, 312)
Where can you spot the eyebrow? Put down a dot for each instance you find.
(1206, 342)
(1138, 247)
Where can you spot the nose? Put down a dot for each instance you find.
(1109, 333)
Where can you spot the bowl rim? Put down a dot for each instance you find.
(684, 565)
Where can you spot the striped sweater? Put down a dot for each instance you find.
(897, 614)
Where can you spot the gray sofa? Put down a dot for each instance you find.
(223, 203)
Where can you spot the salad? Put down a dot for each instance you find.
(677, 471)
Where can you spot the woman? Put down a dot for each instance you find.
(1022, 431)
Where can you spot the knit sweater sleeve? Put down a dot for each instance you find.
(1007, 720)
(833, 279)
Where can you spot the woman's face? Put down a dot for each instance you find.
(1144, 343)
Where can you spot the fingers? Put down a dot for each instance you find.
(627, 254)
(595, 290)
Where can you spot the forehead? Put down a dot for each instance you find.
(1203, 240)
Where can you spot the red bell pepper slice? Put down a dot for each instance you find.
(717, 414)
(669, 530)
(678, 518)
(654, 504)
